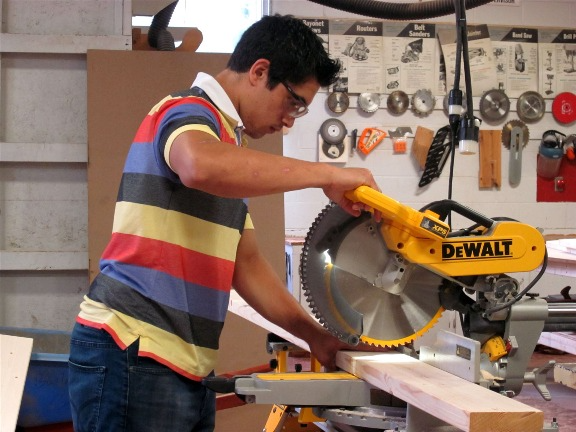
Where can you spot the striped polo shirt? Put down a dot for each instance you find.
(165, 276)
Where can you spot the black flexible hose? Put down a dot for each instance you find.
(158, 35)
(398, 11)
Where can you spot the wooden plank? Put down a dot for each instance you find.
(451, 399)
(14, 360)
(490, 143)
(43, 152)
(22, 260)
(563, 341)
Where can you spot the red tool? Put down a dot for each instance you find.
(370, 138)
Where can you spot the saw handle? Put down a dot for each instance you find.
(390, 208)
(444, 207)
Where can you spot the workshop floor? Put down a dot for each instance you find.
(562, 406)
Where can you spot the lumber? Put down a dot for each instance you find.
(14, 359)
(451, 399)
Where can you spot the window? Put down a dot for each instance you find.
(221, 22)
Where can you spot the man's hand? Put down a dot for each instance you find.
(348, 179)
(325, 346)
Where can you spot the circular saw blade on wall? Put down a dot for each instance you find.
(494, 105)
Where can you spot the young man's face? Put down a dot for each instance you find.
(273, 109)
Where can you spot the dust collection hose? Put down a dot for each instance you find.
(158, 35)
(398, 11)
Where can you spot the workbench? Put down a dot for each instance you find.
(561, 262)
(453, 400)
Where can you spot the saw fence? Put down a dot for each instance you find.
(431, 394)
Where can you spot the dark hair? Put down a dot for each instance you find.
(295, 52)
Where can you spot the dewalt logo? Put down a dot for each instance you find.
(476, 250)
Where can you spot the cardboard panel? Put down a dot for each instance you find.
(122, 87)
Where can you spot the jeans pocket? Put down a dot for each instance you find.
(85, 384)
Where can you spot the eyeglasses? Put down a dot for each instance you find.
(297, 107)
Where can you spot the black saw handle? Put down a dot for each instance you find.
(444, 207)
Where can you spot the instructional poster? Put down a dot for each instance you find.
(410, 57)
(557, 56)
(516, 59)
(321, 27)
(358, 45)
(480, 55)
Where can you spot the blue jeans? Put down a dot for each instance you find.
(114, 390)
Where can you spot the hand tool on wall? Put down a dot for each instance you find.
(515, 136)
(370, 138)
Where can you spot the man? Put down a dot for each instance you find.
(148, 330)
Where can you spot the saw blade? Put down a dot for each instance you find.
(369, 102)
(494, 105)
(397, 102)
(530, 106)
(511, 126)
(359, 289)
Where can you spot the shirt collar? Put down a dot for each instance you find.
(218, 96)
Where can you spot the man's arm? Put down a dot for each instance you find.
(258, 284)
(222, 169)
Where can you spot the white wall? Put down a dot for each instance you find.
(398, 175)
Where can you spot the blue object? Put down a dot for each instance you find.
(45, 400)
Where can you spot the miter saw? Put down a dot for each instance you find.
(387, 283)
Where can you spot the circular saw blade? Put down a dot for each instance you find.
(338, 102)
(359, 289)
(530, 106)
(369, 102)
(398, 102)
(494, 105)
(510, 127)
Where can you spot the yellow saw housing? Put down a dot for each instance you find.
(421, 237)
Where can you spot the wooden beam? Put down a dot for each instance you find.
(453, 400)
(463, 404)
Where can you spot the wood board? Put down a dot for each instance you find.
(14, 360)
(490, 150)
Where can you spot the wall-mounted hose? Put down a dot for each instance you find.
(158, 35)
(398, 11)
